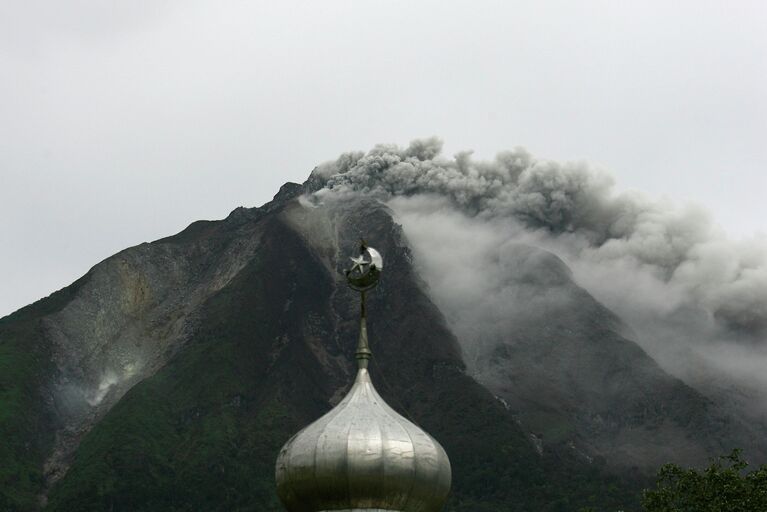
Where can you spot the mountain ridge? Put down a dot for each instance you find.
(258, 295)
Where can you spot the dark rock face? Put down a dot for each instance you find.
(170, 375)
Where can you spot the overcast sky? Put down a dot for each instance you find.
(123, 121)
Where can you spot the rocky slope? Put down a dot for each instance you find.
(168, 377)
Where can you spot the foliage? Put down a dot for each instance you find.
(724, 486)
(25, 432)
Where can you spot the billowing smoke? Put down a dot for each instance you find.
(687, 292)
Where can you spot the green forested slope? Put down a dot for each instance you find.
(26, 421)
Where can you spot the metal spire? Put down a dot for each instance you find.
(363, 276)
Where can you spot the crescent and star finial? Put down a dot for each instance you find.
(366, 269)
(362, 277)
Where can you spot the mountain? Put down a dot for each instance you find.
(168, 377)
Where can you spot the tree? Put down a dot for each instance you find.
(724, 486)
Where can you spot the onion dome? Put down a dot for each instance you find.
(363, 455)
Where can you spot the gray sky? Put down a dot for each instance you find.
(122, 122)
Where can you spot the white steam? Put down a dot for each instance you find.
(107, 381)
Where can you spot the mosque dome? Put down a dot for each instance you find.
(362, 455)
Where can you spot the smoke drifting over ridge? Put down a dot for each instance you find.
(669, 272)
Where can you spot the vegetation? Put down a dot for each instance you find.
(25, 432)
(724, 486)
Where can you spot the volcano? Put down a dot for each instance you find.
(169, 376)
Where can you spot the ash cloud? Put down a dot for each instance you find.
(577, 206)
(692, 297)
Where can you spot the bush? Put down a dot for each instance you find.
(724, 486)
